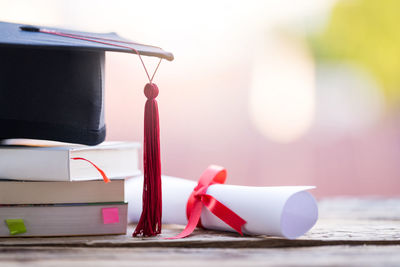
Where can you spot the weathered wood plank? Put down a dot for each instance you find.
(326, 232)
(316, 256)
(360, 208)
(342, 222)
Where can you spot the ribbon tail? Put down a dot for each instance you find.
(103, 174)
(192, 221)
(224, 213)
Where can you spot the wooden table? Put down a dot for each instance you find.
(350, 232)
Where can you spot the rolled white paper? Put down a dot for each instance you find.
(286, 211)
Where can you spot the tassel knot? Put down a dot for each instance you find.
(151, 91)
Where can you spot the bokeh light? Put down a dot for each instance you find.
(282, 94)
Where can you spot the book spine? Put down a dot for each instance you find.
(68, 161)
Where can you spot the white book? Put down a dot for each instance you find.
(43, 192)
(54, 163)
(65, 220)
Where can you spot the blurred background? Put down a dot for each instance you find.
(278, 92)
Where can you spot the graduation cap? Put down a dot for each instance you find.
(52, 88)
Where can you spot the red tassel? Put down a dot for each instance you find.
(150, 220)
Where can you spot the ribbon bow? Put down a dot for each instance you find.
(199, 198)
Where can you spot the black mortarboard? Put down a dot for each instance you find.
(52, 87)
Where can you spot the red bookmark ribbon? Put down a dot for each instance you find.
(103, 174)
(199, 198)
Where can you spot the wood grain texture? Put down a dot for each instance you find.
(325, 233)
(350, 232)
(99, 257)
(342, 222)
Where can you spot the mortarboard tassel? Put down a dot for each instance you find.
(150, 219)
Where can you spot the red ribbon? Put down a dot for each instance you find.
(103, 174)
(199, 198)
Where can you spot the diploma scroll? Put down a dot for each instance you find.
(285, 211)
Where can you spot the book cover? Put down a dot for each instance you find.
(43, 192)
(63, 219)
(53, 162)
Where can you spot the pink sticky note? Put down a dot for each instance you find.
(110, 215)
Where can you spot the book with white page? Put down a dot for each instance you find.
(65, 220)
(53, 162)
(44, 192)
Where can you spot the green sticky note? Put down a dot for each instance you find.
(16, 226)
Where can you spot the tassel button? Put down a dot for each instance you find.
(151, 91)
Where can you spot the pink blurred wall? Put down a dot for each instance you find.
(204, 98)
(204, 120)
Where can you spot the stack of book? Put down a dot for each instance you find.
(44, 192)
